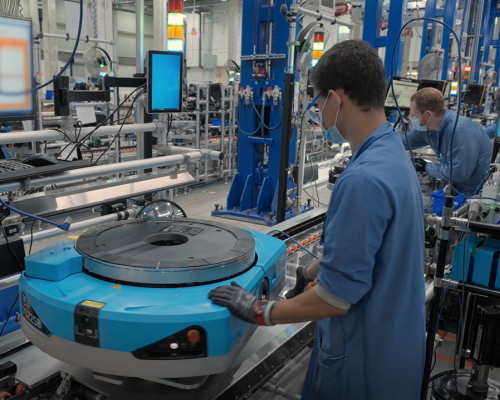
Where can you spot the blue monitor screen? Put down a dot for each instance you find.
(16, 71)
(165, 82)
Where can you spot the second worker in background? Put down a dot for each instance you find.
(433, 126)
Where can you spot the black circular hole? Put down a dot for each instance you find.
(166, 239)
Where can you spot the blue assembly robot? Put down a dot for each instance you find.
(130, 299)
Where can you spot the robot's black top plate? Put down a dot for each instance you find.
(166, 252)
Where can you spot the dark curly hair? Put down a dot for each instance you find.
(354, 66)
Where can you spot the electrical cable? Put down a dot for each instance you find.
(8, 315)
(121, 127)
(61, 132)
(71, 58)
(77, 136)
(109, 116)
(114, 112)
(485, 178)
(31, 238)
(90, 151)
(64, 226)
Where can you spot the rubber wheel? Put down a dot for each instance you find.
(5, 395)
(264, 290)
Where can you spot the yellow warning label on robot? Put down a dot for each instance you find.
(94, 304)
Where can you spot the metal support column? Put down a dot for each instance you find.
(397, 13)
(484, 41)
(450, 17)
(430, 12)
(139, 64)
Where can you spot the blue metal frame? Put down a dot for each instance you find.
(253, 193)
(449, 15)
(486, 35)
(371, 31)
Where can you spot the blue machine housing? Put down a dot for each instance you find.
(254, 191)
(131, 318)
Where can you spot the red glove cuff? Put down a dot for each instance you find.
(259, 311)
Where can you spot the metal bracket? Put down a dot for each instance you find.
(263, 57)
(261, 140)
(65, 385)
(438, 282)
(26, 184)
(444, 234)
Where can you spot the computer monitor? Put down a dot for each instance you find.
(164, 81)
(473, 95)
(439, 85)
(403, 90)
(215, 92)
(16, 70)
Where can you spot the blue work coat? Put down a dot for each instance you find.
(374, 259)
(471, 152)
(491, 130)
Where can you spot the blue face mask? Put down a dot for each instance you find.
(415, 123)
(331, 134)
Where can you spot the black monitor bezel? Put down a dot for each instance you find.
(443, 83)
(388, 89)
(464, 94)
(29, 115)
(149, 73)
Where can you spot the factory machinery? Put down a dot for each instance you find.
(108, 308)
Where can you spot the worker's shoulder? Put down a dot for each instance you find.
(365, 176)
(466, 124)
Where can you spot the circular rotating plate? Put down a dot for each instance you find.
(166, 252)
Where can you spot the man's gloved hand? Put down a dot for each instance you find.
(420, 164)
(242, 304)
(301, 283)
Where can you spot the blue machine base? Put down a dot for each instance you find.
(138, 331)
(254, 217)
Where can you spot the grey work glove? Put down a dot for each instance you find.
(301, 283)
(240, 302)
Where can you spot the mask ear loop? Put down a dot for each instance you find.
(338, 109)
(324, 105)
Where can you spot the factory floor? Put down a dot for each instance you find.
(198, 203)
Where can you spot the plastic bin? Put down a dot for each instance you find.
(438, 197)
(217, 122)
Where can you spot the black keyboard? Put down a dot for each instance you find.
(11, 166)
(14, 170)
